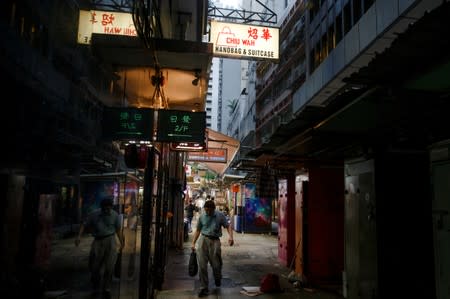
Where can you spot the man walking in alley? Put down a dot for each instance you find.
(104, 224)
(209, 231)
(190, 209)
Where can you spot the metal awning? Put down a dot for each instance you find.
(397, 104)
(219, 140)
(181, 62)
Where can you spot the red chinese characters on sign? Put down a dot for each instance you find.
(266, 34)
(109, 26)
(253, 33)
(93, 15)
(107, 19)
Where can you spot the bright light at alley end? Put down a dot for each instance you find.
(244, 41)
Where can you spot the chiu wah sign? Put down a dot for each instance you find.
(244, 41)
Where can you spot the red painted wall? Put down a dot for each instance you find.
(286, 223)
(282, 222)
(324, 246)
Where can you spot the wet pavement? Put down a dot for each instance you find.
(244, 265)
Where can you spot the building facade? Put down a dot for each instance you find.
(352, 119)
(64, 64)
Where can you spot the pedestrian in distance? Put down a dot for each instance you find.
(104, 224)
(190, 209)
(208, 233)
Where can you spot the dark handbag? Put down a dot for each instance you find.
(193, 266)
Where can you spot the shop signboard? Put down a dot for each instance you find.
(217, 155)
(181, 126)
(126, 123)
(189, 146)
(244, 41)
(104, 22)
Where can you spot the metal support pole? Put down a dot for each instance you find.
(145, 229)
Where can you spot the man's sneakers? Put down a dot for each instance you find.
(218, 282)
(203, 293)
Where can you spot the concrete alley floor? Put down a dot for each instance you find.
(244, 265)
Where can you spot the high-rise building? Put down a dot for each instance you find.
(352, 119)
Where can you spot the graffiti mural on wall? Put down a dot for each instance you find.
(257, 211)
(257, 215)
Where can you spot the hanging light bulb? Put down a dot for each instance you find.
(197, 77)
(159, 100)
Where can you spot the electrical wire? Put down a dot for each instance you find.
(143, 13)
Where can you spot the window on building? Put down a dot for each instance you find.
(311, 61)
(339, 28)
(324, 45)
(331, 38)
(315, 6)
(347, 18)
(317, 55)
(357, 10)
(368, 4)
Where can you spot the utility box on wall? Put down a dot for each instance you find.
(360, 276)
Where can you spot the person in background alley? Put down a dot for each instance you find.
(104, 224)
(190, 209)
(209, 231)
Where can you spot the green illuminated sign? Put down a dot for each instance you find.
(127, 123)
(181, 126)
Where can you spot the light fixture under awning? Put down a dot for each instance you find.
(182, 64)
